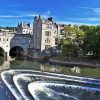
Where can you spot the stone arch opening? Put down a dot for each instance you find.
(16, 51)
(1, 52)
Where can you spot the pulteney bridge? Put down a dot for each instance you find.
(12, 44)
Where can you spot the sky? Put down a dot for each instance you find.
(78, 12)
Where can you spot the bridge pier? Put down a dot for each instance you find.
(6, 55)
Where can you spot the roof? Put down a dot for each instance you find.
(24, 25)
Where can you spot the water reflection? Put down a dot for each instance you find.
(29, 64)
(4, 64)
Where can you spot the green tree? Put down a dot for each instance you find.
(72, 39)
(91, 43)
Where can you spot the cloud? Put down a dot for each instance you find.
(46, 14)
(95, 10)
(33, 15)
(7, 16)
(68, 22)
(93, 19)
(49, 12)
(15, 5)
(27, 14)
(91, 8)
(11, 16)
(26, 17)
(75, 23)
(85, 19)
(18, 16)
(8, 21)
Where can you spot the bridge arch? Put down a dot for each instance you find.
(16, 51)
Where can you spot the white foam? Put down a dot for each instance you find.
(28, 78)
(43, 87)
(59, 75)
(25, 77)
(22, 87)
(35, 87)
(18, 96)
(11, 87)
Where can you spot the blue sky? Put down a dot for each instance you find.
(63, 11)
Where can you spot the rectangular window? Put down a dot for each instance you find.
(47, 40)
(7, 39)
(47, 46)
(56, 41)
(49, 27)
(47, 33)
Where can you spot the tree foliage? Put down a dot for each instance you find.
(91, 44)
(72, 39)
(83, 40)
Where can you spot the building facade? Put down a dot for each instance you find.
(9, 42)
(45, 33)
(23, 28)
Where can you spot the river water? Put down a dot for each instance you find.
(5, 94)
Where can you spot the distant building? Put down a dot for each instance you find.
(61, 32)
(45, 33)
(23, 28)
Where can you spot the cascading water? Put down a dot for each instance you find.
(31, 84)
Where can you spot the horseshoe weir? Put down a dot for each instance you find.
(31, 84)
(28, 80)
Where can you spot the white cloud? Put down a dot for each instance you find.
(91, 8)
(8, 21)
(27, 14)
(49, 12)
(15, 5)
(10, 16)
(46, 14)
(68, 22)
(95, 10)
(18, 16)
(75, 23)
(85, 19)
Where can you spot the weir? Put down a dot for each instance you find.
(38, 85)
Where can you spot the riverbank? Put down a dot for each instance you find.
(74, 62)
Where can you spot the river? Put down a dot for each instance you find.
(5, 94)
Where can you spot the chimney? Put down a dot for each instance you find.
(21, 24)
(28, 24)
(50, 19)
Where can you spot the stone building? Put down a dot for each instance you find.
(23, 28)
(45, 33)
(5, 39)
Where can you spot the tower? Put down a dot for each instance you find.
(45, 33)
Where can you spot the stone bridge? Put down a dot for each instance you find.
(12, 44)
